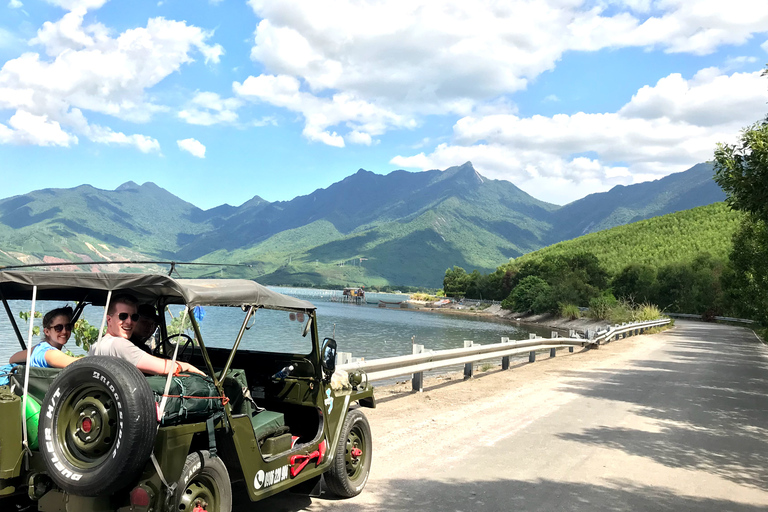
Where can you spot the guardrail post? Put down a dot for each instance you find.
(417, 383)
(532, 354)
(343, 358)
(505, 359)
(469, 368)
(570, 349)
(552, 352)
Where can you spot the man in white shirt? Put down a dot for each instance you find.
(122, 316)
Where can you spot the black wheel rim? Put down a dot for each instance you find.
(202, 492)
(356, 453)
(87, 426)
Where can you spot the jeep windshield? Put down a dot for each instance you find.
(276, 322)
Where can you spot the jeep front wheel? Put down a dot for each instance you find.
(352, 463)
(97, 426)
(204, 485)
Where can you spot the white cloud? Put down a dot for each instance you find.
(321, 113)
(104, 135)
(72, 5)
(411, 58)
(15, 4)
(739, 62)
(356, 137)
(208, 108)
(87, 69)
(662, 129)
(27, 128)
(708, 99)
(192, 146)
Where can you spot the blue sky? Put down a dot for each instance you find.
(218, 101)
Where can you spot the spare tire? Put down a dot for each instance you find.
(98, 424)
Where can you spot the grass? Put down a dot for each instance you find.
(569, 311)
(425, 297)
(623, 311)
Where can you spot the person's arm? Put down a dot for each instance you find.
(58, 359)
(19, 357)
(156, 366)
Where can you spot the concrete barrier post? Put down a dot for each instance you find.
(343, 358)
(417, 383)
(469, 368)
(505, 359)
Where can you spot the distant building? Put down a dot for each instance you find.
(356, 295)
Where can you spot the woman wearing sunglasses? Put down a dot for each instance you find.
(57, 328)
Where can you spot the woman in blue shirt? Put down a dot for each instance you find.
(57, 328)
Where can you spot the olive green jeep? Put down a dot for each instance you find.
(272, 413)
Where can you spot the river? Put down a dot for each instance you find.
(364, 330)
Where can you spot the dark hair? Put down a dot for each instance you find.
(49, 316)
(123, 298)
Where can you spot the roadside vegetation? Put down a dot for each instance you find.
(741, 170)
(565, 278)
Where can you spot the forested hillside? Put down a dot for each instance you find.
(679, 262)
(675, 238)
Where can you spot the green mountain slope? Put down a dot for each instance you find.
(674, 238)
(626, 204)
(142, 219)
(403, 228)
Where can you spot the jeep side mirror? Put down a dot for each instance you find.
(328, 356)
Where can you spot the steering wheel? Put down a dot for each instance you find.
(180, 356)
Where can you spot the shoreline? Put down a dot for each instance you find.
(495, 312)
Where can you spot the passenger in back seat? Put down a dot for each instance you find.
(57, 328)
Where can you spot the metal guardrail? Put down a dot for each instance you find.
(718, 318)
(421, 360)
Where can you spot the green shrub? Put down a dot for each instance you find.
(600, 308)
(525, 295)
(621, 312)
(569, 311)
(646, 312)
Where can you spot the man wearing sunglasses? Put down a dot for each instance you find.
(122, 316)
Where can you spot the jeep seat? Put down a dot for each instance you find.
(265, 423)
(268, 423)
(40, 380)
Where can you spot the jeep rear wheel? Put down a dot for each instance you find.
(97, 426)
(204, 485)
(352, 463)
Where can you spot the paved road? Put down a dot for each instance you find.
(676, 421)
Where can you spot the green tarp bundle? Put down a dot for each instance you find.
(191, 398)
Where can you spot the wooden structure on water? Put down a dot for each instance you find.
(353, 295)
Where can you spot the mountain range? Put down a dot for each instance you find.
(403, 228)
